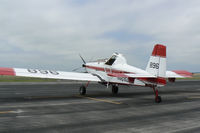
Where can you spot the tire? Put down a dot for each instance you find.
(114, 89)
(82, 90)
(158, 99)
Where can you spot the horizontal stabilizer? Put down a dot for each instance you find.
(178, 74)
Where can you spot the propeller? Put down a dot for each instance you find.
(76, 69)
(82, 59)
(84, 62)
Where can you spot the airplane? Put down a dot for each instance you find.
(113, 71)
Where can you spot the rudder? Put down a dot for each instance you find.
(157, 61)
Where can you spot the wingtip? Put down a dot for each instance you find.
(7, 71)
(183, 73)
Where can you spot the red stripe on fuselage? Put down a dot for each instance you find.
(7, 71)
(96, 68)
(106, 69)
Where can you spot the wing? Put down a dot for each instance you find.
(178, 74)
(48, 74)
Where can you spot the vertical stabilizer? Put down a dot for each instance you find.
(157, 61)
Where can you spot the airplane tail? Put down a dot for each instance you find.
(157, 64)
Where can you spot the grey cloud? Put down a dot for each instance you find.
(65, 28)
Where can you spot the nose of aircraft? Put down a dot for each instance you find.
(83, 65)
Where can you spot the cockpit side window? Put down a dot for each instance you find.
(111, 60)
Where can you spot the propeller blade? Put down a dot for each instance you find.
(83, 66)
(82, 59)
(76, 69)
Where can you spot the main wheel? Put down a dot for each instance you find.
(82, 90)
(158, 99)
(114, 89)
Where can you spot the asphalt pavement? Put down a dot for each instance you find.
(57, 108)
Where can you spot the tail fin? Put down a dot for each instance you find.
(157, 61)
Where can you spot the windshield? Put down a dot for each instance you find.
(111, 60)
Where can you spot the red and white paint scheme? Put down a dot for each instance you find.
(114, 71)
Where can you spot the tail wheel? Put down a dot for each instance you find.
(114, 89)
(158, 99)
(82, 90)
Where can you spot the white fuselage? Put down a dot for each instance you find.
(101, 70)
(116, 71)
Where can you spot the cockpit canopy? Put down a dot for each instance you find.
(116, 59)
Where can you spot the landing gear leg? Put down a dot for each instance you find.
(82, 90)
(158, 98)
(114, 89)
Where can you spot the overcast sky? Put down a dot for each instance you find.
(49, 34)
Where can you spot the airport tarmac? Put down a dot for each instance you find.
(56, 108)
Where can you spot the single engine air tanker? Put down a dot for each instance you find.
(114, 71)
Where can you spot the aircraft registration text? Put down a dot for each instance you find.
(43, 71)
(123, 79)
(154, 65)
